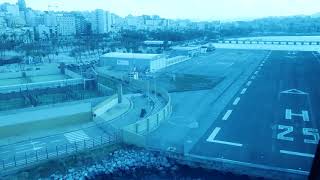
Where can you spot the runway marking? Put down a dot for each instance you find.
(236, 101)
(213, 135)
(253, 77)
(249, 83)
(226, 116)
(244, 90)
(304, 115)
(76, 136)
(297, 153)
(227, 143)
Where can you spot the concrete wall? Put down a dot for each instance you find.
(105, 105)
(40, 85)
(41, 119)
(72, 74)
(135, 133)
(12, 75)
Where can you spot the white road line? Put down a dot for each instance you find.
(227, 143)
(226, 116)
(76, 136)
(256, 72)
(249, 83)
(253, 77)
(236, 101)
(297, 153)
(213, 134)
(244, 90)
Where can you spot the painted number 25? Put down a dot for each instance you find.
(311, 135)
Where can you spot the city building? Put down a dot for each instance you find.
(66, 25)
(100, 22)
(134, 61)
(22, 5)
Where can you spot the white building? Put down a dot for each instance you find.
(101, 22)
(66, 25)
(134, 61)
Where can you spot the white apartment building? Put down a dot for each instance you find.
(66, 25)
(101, 21)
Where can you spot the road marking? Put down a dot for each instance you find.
(213, 134)
(244, 90)
(76, 136)
(294, 91)
(226, 116)
(256, 72)
(297, 153)
(261, 65)
(304, 115)
(227, 143)
(236, 101)
(249, 83)
(253, 77)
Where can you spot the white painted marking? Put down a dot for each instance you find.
(76, 136)
(213, 134)
(236, 101)
(297, 153)
(261, 65)
(37, 148)
(244, 90)
(226, 116)
(304, 114)
(294, 91)
(227, 143)
(256, 72)
(249, 83)
(253, 77)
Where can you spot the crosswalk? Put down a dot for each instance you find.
(76, 136)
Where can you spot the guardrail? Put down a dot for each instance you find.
(59, 151)
(135, 133)
(40, 85)
(270, 42)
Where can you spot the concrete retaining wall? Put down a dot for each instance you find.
(105, 105)
(24, 122)
(136, 133)
(12, 75)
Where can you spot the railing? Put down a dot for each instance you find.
(59, 151)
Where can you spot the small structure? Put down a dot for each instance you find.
(190, 51)
(134, 61)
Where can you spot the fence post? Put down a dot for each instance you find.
(101, 140)
(84, 144)
(15, 162)
(66, 148)
(47, 152)
(25, 156)
(3, 166)
(75, 145)
(37, 155)
(57, 152)
(93, 142)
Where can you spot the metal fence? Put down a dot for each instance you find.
(58, 151)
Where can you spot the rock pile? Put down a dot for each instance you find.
(122, 163)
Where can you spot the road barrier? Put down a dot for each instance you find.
(54, 152)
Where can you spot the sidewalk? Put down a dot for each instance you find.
(116, 111)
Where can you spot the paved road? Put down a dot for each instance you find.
(193, 110)
(274, 118)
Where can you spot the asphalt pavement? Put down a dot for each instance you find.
(273, 120)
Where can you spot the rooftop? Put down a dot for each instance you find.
(185, 48)
(132, 55)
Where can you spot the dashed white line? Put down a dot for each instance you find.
(256, 72)
(249, 83)
(236, 101)
(227, 143)
(213, 134)
(226, 116)
(297, 153)
(253, 77)
(244, 90)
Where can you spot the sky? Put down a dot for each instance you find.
(187, 9)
